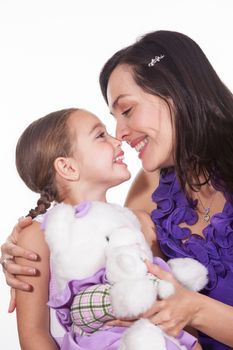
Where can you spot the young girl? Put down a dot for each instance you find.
(66, 156)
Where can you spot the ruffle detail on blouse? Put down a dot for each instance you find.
(214, 250)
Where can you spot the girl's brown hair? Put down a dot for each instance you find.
(41, 143)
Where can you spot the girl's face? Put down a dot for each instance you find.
(143, 120)
(99, 156)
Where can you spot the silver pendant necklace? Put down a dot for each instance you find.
(206, 213)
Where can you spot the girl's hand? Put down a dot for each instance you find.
(177, 311)
(9, 251)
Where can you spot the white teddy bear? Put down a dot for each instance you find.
(94, 235)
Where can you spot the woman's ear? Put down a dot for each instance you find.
(67, 168)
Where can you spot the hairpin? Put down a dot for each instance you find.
(155, 60)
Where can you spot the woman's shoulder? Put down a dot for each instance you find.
(139, 195)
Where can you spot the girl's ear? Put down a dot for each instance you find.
(67, 168)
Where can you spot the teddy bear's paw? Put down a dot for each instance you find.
(191, 273)
(143, 335)
(130, 298)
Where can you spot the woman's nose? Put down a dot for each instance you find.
(122, 131)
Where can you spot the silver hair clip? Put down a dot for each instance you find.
(155, 60)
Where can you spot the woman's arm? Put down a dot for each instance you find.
(31, 308)
(186, 307)
(139, 195)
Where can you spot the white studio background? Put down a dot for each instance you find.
(51, 53)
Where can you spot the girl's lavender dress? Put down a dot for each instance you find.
(215, 250)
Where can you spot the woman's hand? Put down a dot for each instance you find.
(177, 311)
(9, 251)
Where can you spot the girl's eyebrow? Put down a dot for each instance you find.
(95, 126)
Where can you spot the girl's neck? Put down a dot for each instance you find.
(80, 196)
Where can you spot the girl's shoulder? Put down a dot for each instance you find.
(31, 237)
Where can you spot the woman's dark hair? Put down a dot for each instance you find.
(203, 106)
(40, 144)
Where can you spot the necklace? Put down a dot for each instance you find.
(206, 213)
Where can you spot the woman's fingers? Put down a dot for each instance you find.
(13, 282)
(23, 222)
(155, 308)
(159, 272)
(9, 249)
(14, 269)
(119, 323)
(12, 304)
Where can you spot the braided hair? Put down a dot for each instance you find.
(40, 144)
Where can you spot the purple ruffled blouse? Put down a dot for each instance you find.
(214, 250)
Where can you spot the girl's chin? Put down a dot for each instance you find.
(124, 178)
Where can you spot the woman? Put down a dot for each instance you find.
(170, 105)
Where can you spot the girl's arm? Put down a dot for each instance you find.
(31, 308)
(11, 269)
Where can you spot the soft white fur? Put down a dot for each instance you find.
(109, 236)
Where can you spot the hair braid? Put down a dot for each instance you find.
(41, 143)
(43, 203)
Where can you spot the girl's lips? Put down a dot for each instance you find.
(119, 158)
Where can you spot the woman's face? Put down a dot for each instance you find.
(143, 120)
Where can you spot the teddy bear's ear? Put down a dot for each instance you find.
(67, 168)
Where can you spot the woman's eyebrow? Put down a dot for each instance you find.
(116, 102)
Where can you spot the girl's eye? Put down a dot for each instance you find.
(101, 135)
(126, 112)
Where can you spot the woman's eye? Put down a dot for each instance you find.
(126, 112)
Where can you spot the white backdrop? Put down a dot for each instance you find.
(51, 53)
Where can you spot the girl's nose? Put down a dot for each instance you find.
(115, 141)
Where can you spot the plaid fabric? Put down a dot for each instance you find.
(91, 308)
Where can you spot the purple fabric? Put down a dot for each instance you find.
(104, 339)
(215, 250)
(82, 209)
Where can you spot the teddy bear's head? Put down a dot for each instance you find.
(80, 238)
